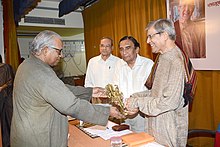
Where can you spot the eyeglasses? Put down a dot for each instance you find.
(151, 36)
(59, 50)
(105, 46)
(125, 49)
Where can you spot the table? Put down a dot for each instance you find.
(78, 138)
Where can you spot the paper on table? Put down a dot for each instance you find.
(152, 144)
(108, 132)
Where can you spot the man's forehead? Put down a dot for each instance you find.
(186, 2)
(151, 30)
(105, 40)
(126, 43)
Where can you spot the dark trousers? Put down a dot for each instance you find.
(5, 116)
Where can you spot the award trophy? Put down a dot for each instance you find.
(116, 100)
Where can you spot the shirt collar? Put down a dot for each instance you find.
(137, 62)
(109, 58)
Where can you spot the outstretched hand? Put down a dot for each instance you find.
(130, 110)
(98, 92)
(115, 113)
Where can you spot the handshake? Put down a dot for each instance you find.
(119, 109)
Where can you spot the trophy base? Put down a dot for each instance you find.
(120, 127)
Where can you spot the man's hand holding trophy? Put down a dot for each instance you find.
(116, 100)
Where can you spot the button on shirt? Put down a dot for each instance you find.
(99, 72)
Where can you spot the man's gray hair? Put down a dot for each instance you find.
(43, 39)
(163, 25)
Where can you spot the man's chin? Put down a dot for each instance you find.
(106, 55)
(53, 65)
(154, 50)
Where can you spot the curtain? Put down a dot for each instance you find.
(13, 11)
(10, 36)
(205, 112)
(23, 7)
(116, 18)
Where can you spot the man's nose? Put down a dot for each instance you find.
(148, 40)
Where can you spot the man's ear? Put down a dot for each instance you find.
(165, 35)
(44, 51)
(137, 50)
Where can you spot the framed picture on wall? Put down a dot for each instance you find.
(197, 30)
(175, 6)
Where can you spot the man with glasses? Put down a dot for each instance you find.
(101, 68)
(42, 102)
(131, 73)
(163, 104)
(59, 51)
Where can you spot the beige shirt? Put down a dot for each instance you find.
(163, 105)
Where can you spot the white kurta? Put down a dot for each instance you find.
(99, 72)
(132, 80)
